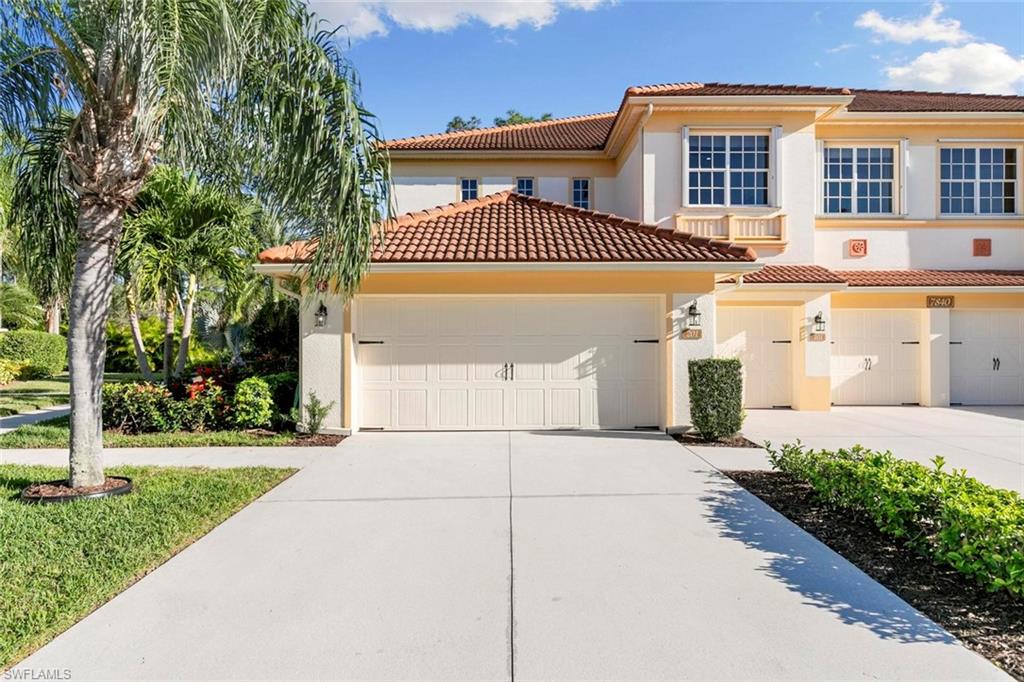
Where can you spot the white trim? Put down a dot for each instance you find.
(774, 167)
(904, 161)
(782, 286)
(686, 167)
(603, 266)
(940, 289)
(983, 140)
(897, 182)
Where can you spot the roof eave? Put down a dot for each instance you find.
(500, 153)
(740, 267)
(938, 288)
(939, 116)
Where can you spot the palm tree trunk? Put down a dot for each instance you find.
(99, 229)
(168, 336)
(186, 325)
(133, 323)
(53, 317)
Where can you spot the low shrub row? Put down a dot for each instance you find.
(35, 354)
(949, 516)
(151, 408)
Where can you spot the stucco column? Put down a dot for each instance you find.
(321, 366)
(682, 350)
(934, 358)
(812, 355)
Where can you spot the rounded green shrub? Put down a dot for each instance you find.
(42, 354)
(140, 408)
(716, 397)
(253, 405)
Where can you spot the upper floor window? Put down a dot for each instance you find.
(581, 192)
(733, 167)
(468, 188)
(977, 180)
(524, 186)
(858, 179)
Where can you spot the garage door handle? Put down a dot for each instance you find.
(370, 343)
(645, 341)
(512, 368)
(782, 341)
(911, 343)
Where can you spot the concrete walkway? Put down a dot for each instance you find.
(15, 420)
(495, 556)
(986, 441)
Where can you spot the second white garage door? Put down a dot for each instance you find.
(875, 357)
(986, 357)
(428, 363)
(761, 339)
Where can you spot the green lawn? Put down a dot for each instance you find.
(53, 433)
(59, 562)
(27, 396)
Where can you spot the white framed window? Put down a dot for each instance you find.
(581, 195)
(859, 179)
(978, 180)
(468, 188)
(728, 169)
(525, 186)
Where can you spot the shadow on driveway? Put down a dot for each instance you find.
(808, 567)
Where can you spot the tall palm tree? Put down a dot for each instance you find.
(246, 92)
(180, 232)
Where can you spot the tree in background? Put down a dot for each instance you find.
(19, 308)
(245, 93)
(180, 232)
(459, 124)
(513, 117)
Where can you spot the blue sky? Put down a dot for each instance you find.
(423, 62)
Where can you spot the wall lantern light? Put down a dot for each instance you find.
(321, 315)
(692, 316)
(819, 322)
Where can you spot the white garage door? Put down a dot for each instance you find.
(875, 357)
(507, 363)
(761, 339)
(986, 356)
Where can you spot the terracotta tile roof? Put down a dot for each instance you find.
(863, 100)
(709, 89)
(508, 227)
(793, 274)
(590, 132)
(577, 133)
(933, 278)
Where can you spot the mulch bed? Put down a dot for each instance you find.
(991, 624)
(319, 440)
(692, 438)
(50, 490)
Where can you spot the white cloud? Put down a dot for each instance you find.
(366, 18)
(975, 67)
(840, 48)
(932, 27)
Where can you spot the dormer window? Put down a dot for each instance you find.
(469, 188)
(524, 186)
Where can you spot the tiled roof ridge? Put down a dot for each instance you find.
(839, 90)
(493, 129)
(693, 85)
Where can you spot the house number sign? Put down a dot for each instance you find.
(940, 301)
(690, 334)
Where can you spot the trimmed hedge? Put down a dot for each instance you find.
(949, 516)
(716, 397)
(150, 408)
(42, 354)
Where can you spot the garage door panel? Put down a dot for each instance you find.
(760, 338)
(875, 357)
(987, 357)
(575, 363)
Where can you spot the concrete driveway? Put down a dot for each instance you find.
(987, 441)
(495, 556)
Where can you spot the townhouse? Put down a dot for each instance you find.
(850, 246)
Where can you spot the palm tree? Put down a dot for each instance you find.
(181, 232)
(245, 92)
(18, 307)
